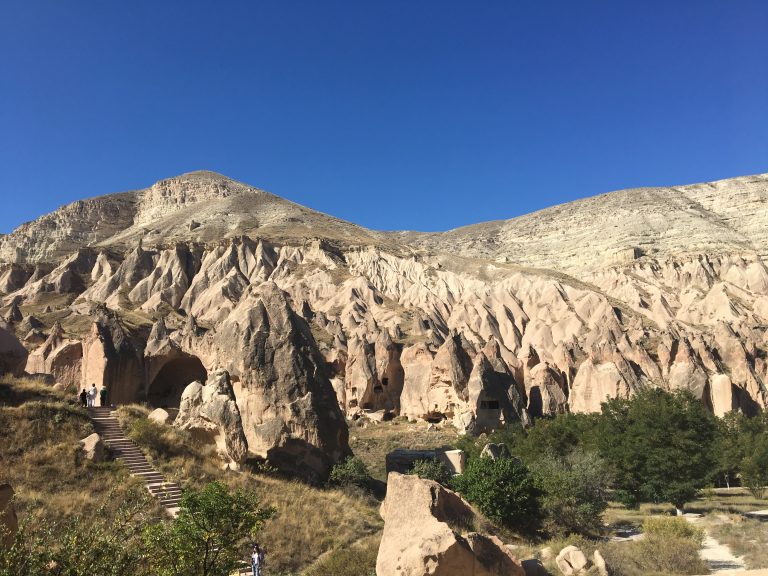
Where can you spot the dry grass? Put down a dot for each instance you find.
(356, 560)
(745, 537)
(15, 391)
(310, 521)
(372, 442)
(40, 455)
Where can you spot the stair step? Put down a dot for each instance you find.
(128, 453)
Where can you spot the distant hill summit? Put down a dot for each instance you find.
(716, 217)
(315, 318)
(199, 206)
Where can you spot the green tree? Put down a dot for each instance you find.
(503, 490)
(754, 465)
(660, 446)
(729, 447)
(210, 535)
(574, 491)
(556, 436)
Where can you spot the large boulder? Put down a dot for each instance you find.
(572, 562)
(210, 412)
(92, 448)
(419, 539)
(13, 355)
(160, 416)
(8, 522)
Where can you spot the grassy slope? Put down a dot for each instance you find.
(39, 453)
(310, 521)
(315, 529)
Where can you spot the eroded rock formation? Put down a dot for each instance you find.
(209, 411)
(315, 318)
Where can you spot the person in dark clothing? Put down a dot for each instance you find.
(103, 395)
(83, 398)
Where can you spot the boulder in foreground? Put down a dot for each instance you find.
(422, 523)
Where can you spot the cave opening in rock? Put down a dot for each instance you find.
(166, 388)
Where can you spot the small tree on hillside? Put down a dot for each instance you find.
(210, 536)
(574, 491)
(503, 490)
(660, 446)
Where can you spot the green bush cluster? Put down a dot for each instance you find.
(503, 489)
(431, 469)
(654, 447)
(350, 472)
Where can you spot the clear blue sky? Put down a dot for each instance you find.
(395, 114)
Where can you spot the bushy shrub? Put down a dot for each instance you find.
(149, 434)
(672, 527)
(574, 491)
(503, 490)
(671, 546)
(350, 472)
(431, 470)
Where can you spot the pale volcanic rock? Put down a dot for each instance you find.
(572, 562)
(546, 392)
(160, 416)
(373, 374)
(92, 448)
(210, 413)
(13, 277)
(722, 395)
(450, 371)
(59, 356)
(289, 408)
(592, 299)
(389, 371)
(493, 395)
(169, 280)
(113, 357)
(418, 538)
(14, 313)
(595, 383)
(417, 364)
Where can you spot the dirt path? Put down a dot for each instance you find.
(717, 555)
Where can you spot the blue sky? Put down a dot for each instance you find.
(395, 114)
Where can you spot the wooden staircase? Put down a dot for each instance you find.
(124, 450)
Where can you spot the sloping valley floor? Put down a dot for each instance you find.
(315, 528)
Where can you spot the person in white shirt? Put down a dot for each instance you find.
(257, 560)
(92, 396)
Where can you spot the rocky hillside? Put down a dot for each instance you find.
(316, 318)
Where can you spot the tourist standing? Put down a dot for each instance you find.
(83, 398)
(257, 560)
(92, 396)
(103, 395)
